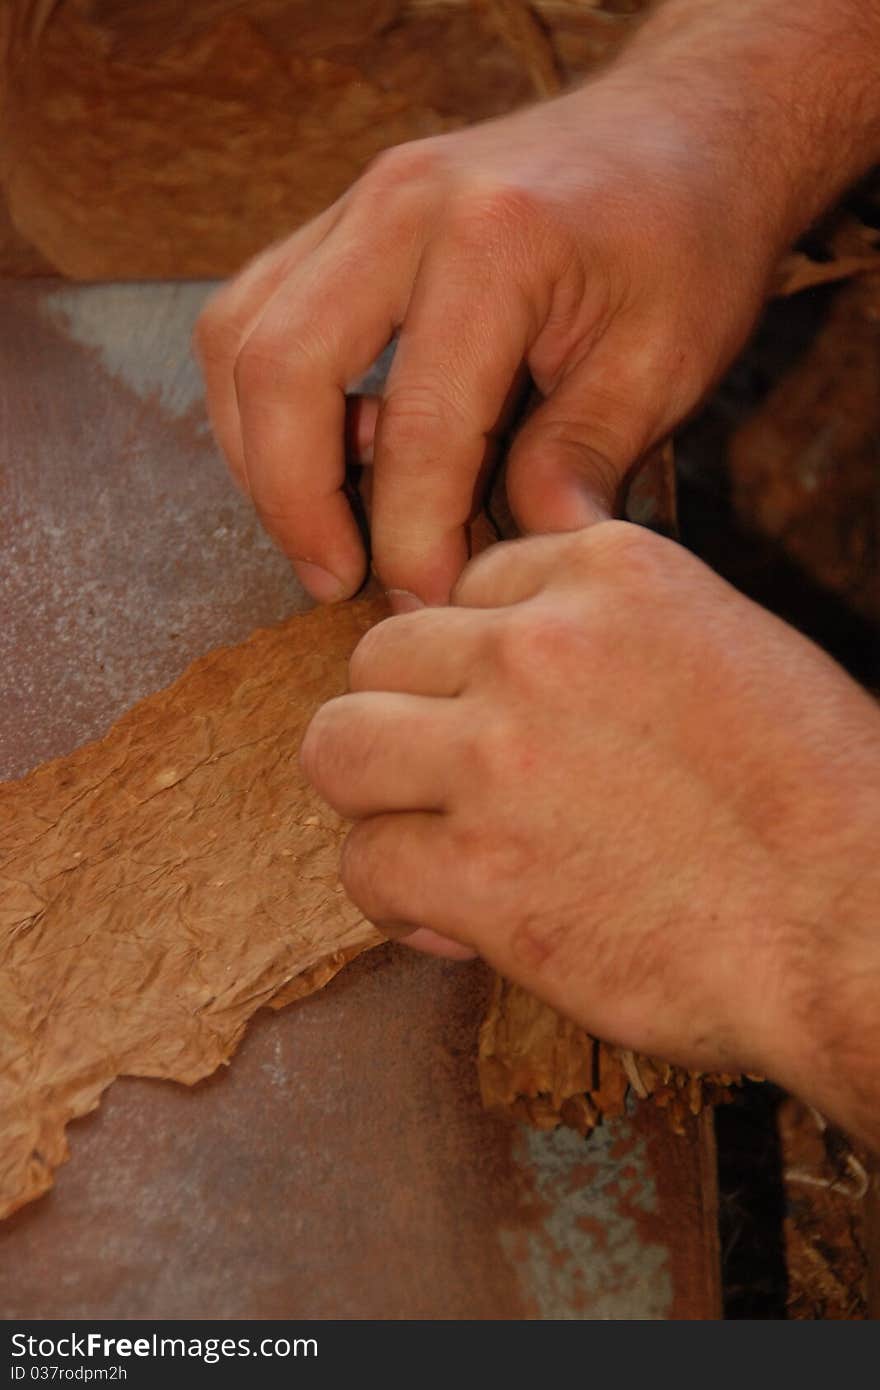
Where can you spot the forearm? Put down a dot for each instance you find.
(788, 94)
(831, 1055)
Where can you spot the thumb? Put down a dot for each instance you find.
(567, 465)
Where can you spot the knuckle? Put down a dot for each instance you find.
(478, 581)
(363, 661)
(402, 165)
(532, 641)
(511, 638)
(320, 754)
(216, 334)
(265, 363)
(277, 513)
(493, 751)
(492, 213)
(492, 862)
(412, 413)
(255, 367)
(360, 869)
(275, 502)
(281, 356)
(624, 552)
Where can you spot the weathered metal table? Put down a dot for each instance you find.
(342, 1166)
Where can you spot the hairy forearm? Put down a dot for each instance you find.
(834, 1045)
(788, 93)
(788, 96)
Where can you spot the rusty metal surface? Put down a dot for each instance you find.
(342, 1166)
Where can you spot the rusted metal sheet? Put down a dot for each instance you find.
(342, 1166)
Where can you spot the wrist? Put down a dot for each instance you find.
(784, 99)
(825, 1044)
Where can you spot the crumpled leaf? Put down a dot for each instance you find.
(161, 885)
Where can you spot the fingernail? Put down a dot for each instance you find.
(321, 584)
(402, 601)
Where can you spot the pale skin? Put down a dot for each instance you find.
(582, 756)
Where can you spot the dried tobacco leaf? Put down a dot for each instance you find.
(161, 885)
(826, 1182)
(176, 141)
(543, 1069)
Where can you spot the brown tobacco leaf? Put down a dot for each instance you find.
(826, 1182)
(161, 885)
(517, 24)
(543, 1069)
(170, 140)
(531, 1060)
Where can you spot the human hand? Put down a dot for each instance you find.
(605, 239)
(634, 792)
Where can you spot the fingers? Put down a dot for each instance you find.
(278, 348)
(226, 321)
(568, 461)
(397, 869)
(319, 330)
(374, 752)
(431, 652)
(514, 571)
(455, 365)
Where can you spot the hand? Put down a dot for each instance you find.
(604, 239)
(634, 792)
(617, 241)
